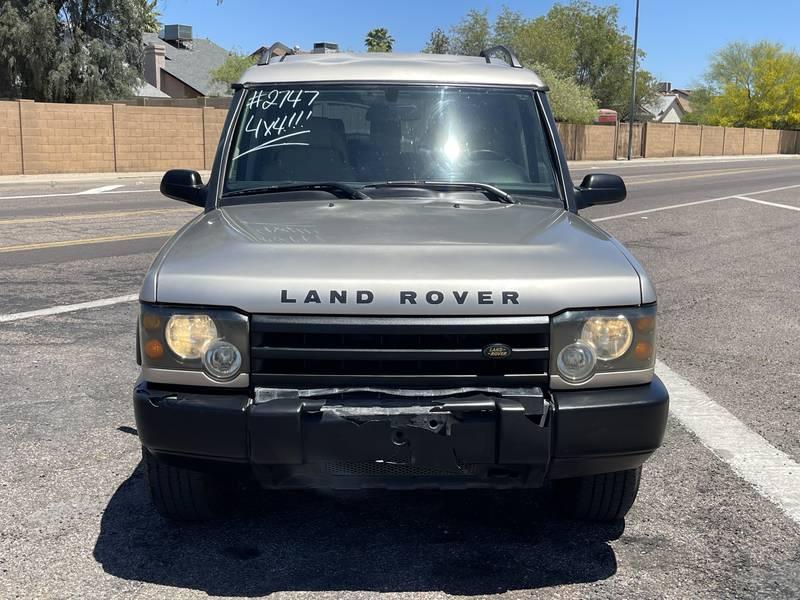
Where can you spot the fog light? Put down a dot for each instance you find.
(222, 359)
(576, 362)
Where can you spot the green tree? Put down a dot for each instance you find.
(379, 40)
(438, 43)
(150, 15)
(472, 34)
(577, 41)
(231, 70)
(70, 50)
(751, 85)
(569, 101)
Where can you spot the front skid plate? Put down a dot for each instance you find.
(450, 434)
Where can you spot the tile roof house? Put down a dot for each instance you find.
(179, 65)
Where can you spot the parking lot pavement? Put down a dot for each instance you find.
(75, 521)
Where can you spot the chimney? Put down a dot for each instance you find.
(664, 87)
(154, 61)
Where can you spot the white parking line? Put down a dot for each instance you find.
(100, 190)
(67, 308)
(775, 204)
(70, 194)
(685, 204)
(773, 473)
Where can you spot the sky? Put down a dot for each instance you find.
(678, 36)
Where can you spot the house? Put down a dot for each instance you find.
(669, 106)
(180, 66)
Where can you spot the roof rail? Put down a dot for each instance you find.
(510, 57)
(267, 55)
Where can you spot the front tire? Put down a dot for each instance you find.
(604, 497)
(182, 494)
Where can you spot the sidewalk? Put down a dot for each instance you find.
(577, 164)
(621, 162)
(78, 177)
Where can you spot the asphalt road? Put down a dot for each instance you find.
(75, 520)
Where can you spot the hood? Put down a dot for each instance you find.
(402, 257)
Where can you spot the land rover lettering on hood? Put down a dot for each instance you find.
(390, 285)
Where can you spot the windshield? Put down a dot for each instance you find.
(365, 134)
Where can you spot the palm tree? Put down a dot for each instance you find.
(379, 40)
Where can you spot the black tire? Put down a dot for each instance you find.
(182, 494)
(604, 497)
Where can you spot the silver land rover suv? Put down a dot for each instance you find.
(390, 286)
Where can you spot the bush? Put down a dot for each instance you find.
(571, 103)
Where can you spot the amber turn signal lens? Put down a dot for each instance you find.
(643, 351)
(151, 322)
(645, 324)
(154, 349)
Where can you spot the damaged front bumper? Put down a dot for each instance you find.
(368, 437)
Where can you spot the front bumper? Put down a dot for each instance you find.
(466, 441)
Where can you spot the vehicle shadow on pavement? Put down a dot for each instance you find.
(464, 542)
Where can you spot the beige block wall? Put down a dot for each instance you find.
(687, 140)
(752, 140)
(595, 142)
(10, 139)
(67, 138)
(659, 140)
(712, 138)
(734, 141)
(157, 139)
(213, 120)
(772, 139)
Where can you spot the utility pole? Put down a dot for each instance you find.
(632, 115)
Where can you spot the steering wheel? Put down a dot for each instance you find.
(487, 154)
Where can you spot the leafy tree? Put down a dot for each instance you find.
(70, 50)
(751, 85)
(149, 15)
(570, 102)
(231, 70)
(472, 34)
(438, 43)
(379, 40)
(577, 41)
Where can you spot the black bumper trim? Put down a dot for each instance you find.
(606, 430)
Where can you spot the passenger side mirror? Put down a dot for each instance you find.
(600, 188)
(184, 185)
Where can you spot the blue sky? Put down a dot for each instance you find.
(678, 35)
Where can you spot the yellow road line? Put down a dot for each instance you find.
(89, 216)
(701, 175)
(86, 241)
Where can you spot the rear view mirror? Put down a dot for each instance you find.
(184, 185)
(600, 188)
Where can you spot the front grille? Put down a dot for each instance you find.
(298, 351)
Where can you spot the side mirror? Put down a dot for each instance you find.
(600, 188)
(184, 185)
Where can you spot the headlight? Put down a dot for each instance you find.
(192, 346)
(622, 344)
(610, 336)
(222, 359)
(188, 335)
(576, 361)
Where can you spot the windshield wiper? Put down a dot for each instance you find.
(340, 190)
(491, 192)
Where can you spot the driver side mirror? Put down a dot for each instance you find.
(600, 188)
(184, 185)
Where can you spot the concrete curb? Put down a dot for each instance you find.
(79, 177)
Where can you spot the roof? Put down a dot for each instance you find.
(149, 91)
(661, 105)
(193, 67)
(388, 67)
